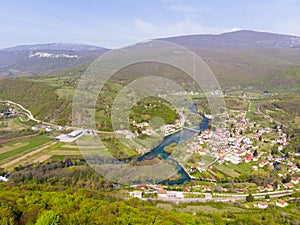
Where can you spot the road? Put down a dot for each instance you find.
(31, 117)
(269, 117)
(224, 198)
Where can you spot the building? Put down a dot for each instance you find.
(136, 194)
(269, 187)
(262, 205)
(207, 188)
(293, 168)
(162, 193)
(73, 136)
(255, 168)
(281, 203)
(75, 133)
(294, 180)
(260, 189)
(239, 191)
(263, 163)
(175, 194)
(288, 185)
(3, 179)
(248, 158)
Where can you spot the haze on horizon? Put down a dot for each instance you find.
(117, 23)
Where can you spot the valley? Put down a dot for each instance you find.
(247, 170)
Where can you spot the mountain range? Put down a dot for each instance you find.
(55, 47)
(243, 39)
(248, 58)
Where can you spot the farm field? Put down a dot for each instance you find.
(34, 150)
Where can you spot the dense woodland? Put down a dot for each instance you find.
(69, 192)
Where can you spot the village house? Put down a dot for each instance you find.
(260, 189)
(281, 203)
(255, 168)
(263, 163)
(294, 180)
(288, 185)
(248, 158)
(207, 188)
(269, 187)
(162, 193)
(293, 168)
(262, 205)
(175, 194)
(239, 191)
(136, 194)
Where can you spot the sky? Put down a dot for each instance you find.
(117, 23)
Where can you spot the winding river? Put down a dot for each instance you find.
(181, 135)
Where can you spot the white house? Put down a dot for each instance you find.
(262, 205)
(136, 194)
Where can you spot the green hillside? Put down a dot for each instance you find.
(40, 98)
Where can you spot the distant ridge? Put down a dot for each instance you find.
(237, 39)
(55, 47)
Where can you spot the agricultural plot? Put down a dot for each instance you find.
(227, 170)
(35, 150)
(19, 148)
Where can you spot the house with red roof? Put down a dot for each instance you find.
(281, 203)
(207, 188)
(269, 187)
(248, 158)
(260, 189)
(288, 185)
(294, 180)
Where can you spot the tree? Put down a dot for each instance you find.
(287, 179)
(48, 218)
(255, 153)
(267, 197)
(250, 198)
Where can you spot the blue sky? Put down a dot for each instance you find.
(117, 23)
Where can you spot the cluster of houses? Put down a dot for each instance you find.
(146, 129)
(264, 205)
(47, 128)
(9, 113)
(156, 189)
(171, 128)
(237, 144)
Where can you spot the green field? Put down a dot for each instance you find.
(15, 152)
(227, 170)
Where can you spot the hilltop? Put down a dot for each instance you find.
(253, 60)
(45, 58)
(237, 39)
(55, 47)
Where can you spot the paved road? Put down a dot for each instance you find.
(230, 197)
(31, 117)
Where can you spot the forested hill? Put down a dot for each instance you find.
(40, 98)
(69, 192)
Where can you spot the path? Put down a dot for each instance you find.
(269, 117)
(31, 117)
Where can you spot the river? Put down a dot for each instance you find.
(181, 135)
